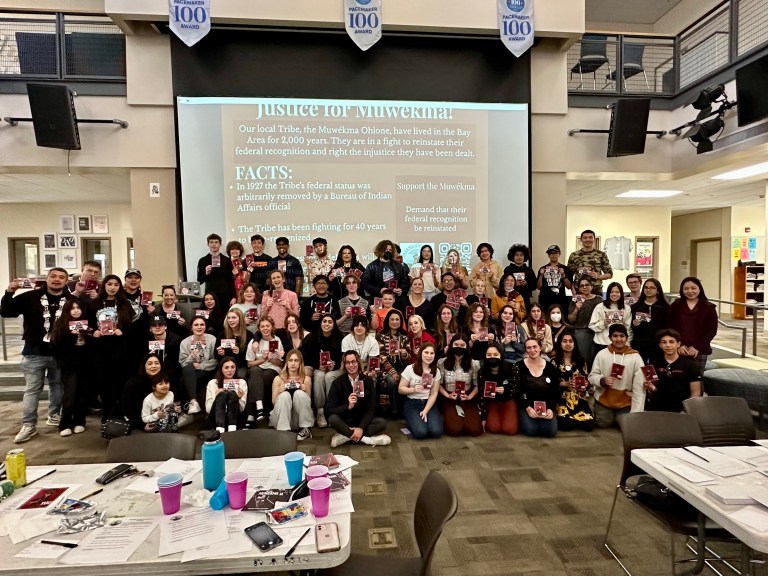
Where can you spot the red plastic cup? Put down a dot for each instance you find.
(317, 471)
(236, 485)
(320, 495)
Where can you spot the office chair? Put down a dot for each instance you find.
(592, 57)
(663, 430)
(632, 64)
(436, 504)
(258, 443)
(151, 448)
(723, 420)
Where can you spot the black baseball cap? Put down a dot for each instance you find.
(130, 271)
(553, 248)
(319, 241)
(155, 320)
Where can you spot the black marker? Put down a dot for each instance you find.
(694, 453)
(293, 548)
(55, 543)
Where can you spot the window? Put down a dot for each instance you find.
(24, 257)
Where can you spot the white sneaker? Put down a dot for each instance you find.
(321, 421)
(27, 431)
(193, 407)
(220, 429)
(381, 440)
(184, 419)
(66, 432)
(79, 429)
(338, 440)
(304, 434)
(231, 428)
(53, 420)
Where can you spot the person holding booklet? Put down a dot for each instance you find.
(420, 383)
(498, 382)
(350, 305)
(318, 263)
(211, 310)
(159, 412)
(452, 263)
(453, 295)
(446, 326)
(257, 263)
(346, 265)
(138, 387)
(293, 273)
(535, 326)
(583, 304)
(380, 310)
(487, 270)
(556, 314)
(573, 410)
(86, 288)
(321, 302)
(507, 294)
(479, 329)
(459, 390)
(415, 302)
(634, 282)
(539, 392)
(278, 301)
(225, 396)
(510, 335)
(417, 335)
(71, 347)
(613, 311)
(293, 336)
(394, 356)
(322, 351)
(361, 342)
(168, 347)
(248, 302)
(525, 278)
(215, 271)
(197, 357)
(385, 272)
(232, 341)
(236, 254)
(351, 406)
(649, 315)
(427, 271)
(552, 280)
(264, 357)
(618, 379)
(591, 262)
(174, 319)
(673, 378)
(291, 398)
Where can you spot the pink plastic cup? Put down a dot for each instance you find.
(317, 471)
(320, 494)
(236, 485)
(170, 497)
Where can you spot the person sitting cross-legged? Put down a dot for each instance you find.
(351, 406)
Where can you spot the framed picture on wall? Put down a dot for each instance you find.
(84, 224)
(49, 242)
(100, 224)
(67, 241)
(68, 259)
(49, 260)
(67, 224)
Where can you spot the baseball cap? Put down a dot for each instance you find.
(553, 248)
(157, 320)
(132, 271)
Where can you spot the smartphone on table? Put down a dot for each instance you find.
(327, 537)
(263, 536)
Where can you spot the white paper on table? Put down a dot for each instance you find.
(259, 476)
(718, 463)
(687, 472)
(187, 468)
(191, 529)
(290, 534)
(759, 493)
(47, 551)
(753, 517)
(22, 526)
(238, 542)
(755, 455)
(761, 442)
(35, 473)
(115, 542)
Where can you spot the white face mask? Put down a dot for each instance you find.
(555, 316)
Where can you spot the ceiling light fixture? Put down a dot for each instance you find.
(649, 193)
(746, 172)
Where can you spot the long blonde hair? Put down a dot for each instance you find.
(284, 372)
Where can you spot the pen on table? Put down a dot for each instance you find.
(43, 476)
(99, 491)
(55, 543)
(187, 483)
(694, 453)
(293, 548)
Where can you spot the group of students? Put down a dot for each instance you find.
(448, 349)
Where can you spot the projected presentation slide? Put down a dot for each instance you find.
(354, 172)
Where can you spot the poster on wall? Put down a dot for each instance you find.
(644, 254)
(49, 259)
(67, 241)
(67, 224)
(49, 241)
(83, 224)
(362, 20)
(516, 25)
(100, 224)
(190, 21)
(68, 259)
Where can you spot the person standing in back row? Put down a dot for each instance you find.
(215, 270)
(589, 261)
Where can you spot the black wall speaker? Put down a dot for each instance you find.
(629, 123)
(53, 116)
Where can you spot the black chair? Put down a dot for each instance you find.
(723, 420)
(632, 64)
(151, 448)
(664, 430)
(436, 504)
(591, 58)
(258, 443)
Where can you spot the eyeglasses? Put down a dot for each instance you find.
(585, 285)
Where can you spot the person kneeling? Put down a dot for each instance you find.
(351, 406)
(158, 411)
(225, 396)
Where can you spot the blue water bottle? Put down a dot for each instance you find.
(213, 459)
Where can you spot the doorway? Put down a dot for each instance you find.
(100, 250)
(706, 259)
(24, 257)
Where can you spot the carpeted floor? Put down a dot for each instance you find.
(527, 506)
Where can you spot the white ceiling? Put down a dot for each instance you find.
(110, 186)
(628, 11)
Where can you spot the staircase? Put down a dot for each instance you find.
(12, 382)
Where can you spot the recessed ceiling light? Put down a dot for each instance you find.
(649, 193)
(753, 170)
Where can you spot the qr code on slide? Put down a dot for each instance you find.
(464, 249)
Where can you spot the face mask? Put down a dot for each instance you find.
(459, 351)
(493, 362)
(556, 316)
(387, 255)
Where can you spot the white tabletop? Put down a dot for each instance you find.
(652, 460)
(117, 501)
